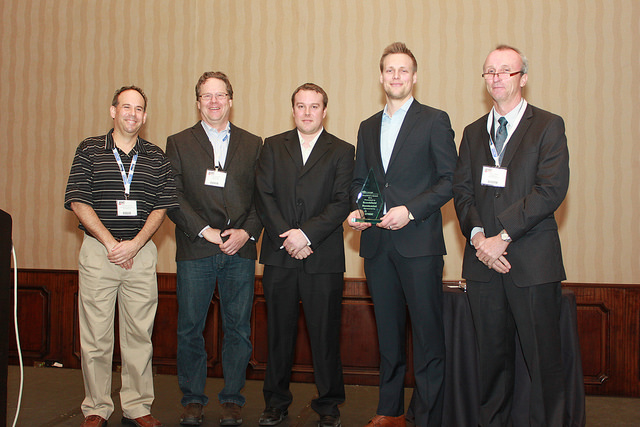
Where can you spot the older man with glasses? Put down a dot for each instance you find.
(512, 175)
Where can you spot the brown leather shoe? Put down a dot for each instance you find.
(230, 414)
(384, 421)
(192, 415)
(146, 421)
(94, 421)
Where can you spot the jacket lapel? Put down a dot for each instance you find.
(375, 137)
(319, 149)
(485, 137)
(292, 145)
(203, 140)
(408, 123)
(233, 145)
(516, 138)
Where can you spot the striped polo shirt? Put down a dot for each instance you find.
(95, 179)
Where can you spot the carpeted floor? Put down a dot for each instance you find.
(52, 397)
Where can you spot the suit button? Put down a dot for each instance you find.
(386, 185)
(497, 195)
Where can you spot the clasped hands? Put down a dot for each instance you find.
(122, 253)
(296, 244)
(491, 252)
(236, 239)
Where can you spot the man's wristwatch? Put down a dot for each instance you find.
(505, 236)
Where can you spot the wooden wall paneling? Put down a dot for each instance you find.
(608, 328)
(632, 341)
(609, 342)
(165, 330)
(34, 303)
(594, 328)
(37, 324)
(359, 342)
(258, 361)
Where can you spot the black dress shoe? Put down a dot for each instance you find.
(272, 416)
(329, 421)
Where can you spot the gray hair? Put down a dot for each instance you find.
(525, 61)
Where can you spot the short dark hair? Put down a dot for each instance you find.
(314, 87)
(114, 101)
(214, 75)
(398, 47)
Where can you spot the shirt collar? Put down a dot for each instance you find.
(313, 141)
(110, 144)
(513, 117)
(403, 109)
(211, 131)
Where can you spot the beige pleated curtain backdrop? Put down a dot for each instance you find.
(61, 60)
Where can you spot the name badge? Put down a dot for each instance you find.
(494, 176)
(215, 178)
(127, 208)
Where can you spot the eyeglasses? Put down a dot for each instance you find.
(209, 96)
(502, 75)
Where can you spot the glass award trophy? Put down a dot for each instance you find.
(370, 201)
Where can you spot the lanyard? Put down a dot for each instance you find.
(515, 119)
(126, 179)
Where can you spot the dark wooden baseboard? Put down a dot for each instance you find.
(608, 327)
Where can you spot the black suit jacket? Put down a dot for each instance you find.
(419, 176)
(191, 154)
(537, 162)
(313, 197)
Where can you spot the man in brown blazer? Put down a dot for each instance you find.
(216, 232)
(512, 175)
(302, 184)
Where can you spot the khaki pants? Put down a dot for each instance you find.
(136, 290)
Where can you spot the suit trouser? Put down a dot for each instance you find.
(136, 290)
(500, 309)
(395, 283)
(321, 296)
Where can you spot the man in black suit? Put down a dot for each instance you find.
(216, 232)
(512, 175)
(410, 149)
(302, 184)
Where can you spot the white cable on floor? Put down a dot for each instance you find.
(15, 323)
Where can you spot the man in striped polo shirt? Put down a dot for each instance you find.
(120, 188)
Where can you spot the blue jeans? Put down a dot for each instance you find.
(196, 285)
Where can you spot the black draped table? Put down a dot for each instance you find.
(462, 393)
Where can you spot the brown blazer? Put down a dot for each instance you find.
(191, 154)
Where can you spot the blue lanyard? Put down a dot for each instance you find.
(126, 178)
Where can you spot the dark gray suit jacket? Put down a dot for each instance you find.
(419, 176)
(313, 197)
(191, 154)
(537, 162)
